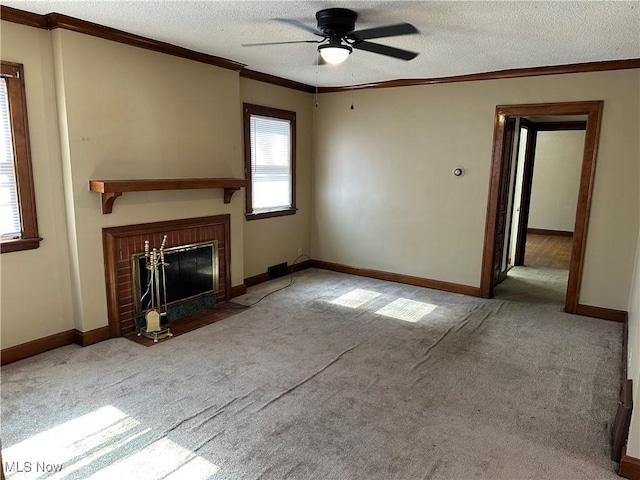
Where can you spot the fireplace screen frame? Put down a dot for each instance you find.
(135, 267)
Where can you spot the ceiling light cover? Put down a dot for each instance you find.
(334, 54)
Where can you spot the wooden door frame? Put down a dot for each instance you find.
(593, 110)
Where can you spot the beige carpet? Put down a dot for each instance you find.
(534, 285)
(336, 377)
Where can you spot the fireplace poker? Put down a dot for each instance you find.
(148, 268)
(156, 276)
(164, 313)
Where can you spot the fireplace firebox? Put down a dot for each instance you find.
(187, 282)
(125, 243)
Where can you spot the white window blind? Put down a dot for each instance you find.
(9, 213)
(271, 177)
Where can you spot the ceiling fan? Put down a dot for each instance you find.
(336, 26)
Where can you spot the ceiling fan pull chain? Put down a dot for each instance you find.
(352, 107)
(317, 66)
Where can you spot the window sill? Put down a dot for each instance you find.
(270, 214)
(19, 244)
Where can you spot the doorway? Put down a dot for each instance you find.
(543, 191)
(506, 226)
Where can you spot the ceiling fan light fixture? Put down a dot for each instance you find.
(334, 54)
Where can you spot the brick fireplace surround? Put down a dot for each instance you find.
(120, 243)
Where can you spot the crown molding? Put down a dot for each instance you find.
(499, 74)
(283, 82)
(52, 21)
(29, 19)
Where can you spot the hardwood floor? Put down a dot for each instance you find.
(548, 251)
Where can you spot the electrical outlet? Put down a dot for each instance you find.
(299, 251)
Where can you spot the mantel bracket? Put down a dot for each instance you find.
(107, 201)
(228, 193)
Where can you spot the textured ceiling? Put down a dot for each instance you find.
(456, 38)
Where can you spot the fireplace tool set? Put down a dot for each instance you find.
(155, 261)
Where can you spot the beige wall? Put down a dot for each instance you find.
(35, 297)
(556, 180)
(385, 196)
(633, 351)
(133, 113)
(271, 241)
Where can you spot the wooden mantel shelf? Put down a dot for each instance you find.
(112, 189)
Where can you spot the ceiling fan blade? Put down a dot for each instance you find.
(278, 43)
(385, 50)
(387, 31)
(300, 25)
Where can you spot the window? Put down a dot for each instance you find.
(270, 160)
(18, 225)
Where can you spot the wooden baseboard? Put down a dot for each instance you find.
(256, 279)
(602, 313)
(399, 278)
(92, 336)
(238, 290)
(41, 345)
(543, 231)
(300, 266)
(622, 421)
(624, 374)
(264, 277)
(630, 467)
(61, 339)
